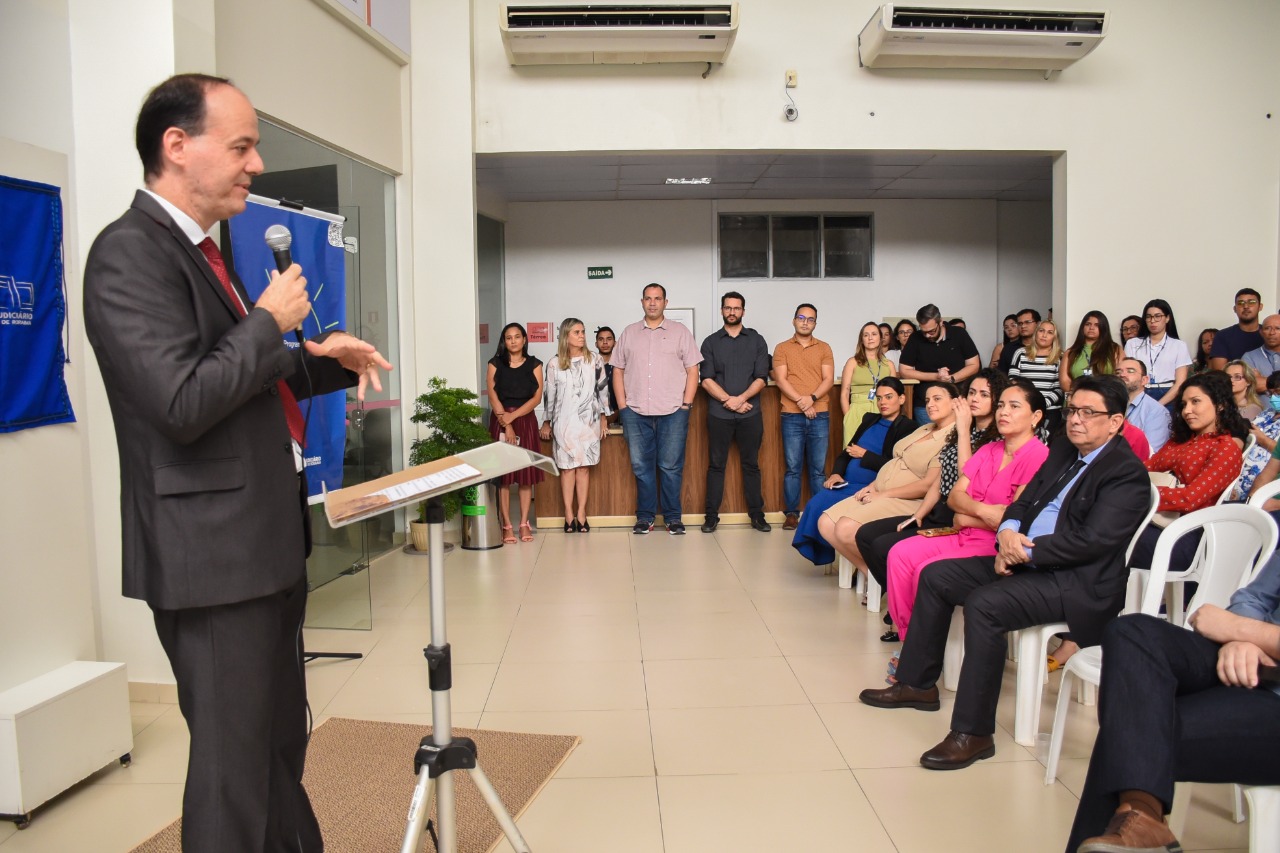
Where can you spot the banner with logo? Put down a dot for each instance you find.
(319, 250)
(33, 308)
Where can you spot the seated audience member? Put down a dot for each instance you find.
(992, 479)
(1181, 706)
(1167, 360)
(1143, 411)
(1232, 342)
(975, 426)
(903, 481)
(1092, 352)
(1060, 558)
(1243, 381)
(867, 367)
(1265, 360)
(1010, 327)
(936, 353)
(856, 466)
(1130, 328)
(1039, 364)
(1270, 435)
(1028, 319)
(1200, 363)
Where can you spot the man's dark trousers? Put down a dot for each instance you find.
(748, 432)
(1165, 716)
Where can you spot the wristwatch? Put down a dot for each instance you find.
(814, 397)
(686, 405)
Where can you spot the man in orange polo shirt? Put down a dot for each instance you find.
(804, 370)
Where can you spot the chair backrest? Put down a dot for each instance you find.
(1232, 491)
(1151, 513)
(1261, 494)
(1238, 539)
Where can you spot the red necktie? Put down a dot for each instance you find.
(292, 414)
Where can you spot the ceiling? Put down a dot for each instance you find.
(1005, 176)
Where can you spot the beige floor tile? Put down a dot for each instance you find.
(471, 641)
(159, 754)
(659, 603)
(841, 677)
(98, 818)
(325, 677)
(404, 690)
(685, 578)
(144, 714)
(593, 815)
(768, 812)
(787, 738)
(708, 635)
(614, 743)
(609, 608)
(989, 806)
(6, 829)
(1209, 822)
(849, 632)
(721, 683)
(574, 638)
(568, 686)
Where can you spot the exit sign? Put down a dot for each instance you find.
(599, 272)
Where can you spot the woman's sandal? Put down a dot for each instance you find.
(892, 677)
(1054, 664)
(508, 536)
(526, 532)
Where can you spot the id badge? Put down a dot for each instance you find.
(1088, 371)
(871, 395)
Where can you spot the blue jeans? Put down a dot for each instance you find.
(803, 437)
(656, 445)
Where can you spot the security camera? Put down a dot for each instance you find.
(791, 113)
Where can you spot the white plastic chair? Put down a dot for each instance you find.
(1262, 494)
(1238, 540)
(1033, 649)
(1264, 817)
(863, 584)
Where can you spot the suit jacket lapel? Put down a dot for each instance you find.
(195, 257)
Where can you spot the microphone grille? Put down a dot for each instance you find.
(278, 237)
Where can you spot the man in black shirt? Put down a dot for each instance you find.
(936, 353)
(735, 367)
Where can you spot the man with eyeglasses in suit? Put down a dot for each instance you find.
(1233, 342)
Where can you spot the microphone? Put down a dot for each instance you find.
(278, 241)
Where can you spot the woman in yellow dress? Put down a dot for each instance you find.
(858, 381)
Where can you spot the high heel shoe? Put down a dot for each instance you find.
(585, 527)
(576, 526)
(569, 527)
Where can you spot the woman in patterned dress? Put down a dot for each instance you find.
(576, 405)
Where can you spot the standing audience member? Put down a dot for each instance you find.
(1265, 360)
(1243, 381)
(804, 370)
(1130, 328)
(1028, 319)
(957, 323)
(886, 348)
(655, 378)
(1010, 327)
(605, 342)
(577, 401)
(860, 376)
(1092, 352)
(735, 368)
(1039, 364)
(1233, 342)
(1143, 411)
(1200, 363)
(937, 353)
(1166, 357)
(1181, 706)
(515, 386)
(902, 333)
(856, 467)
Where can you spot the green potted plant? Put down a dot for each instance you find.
(452, 421)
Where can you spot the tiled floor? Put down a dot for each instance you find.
(714, 682)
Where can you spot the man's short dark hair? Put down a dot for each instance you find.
(1141, 364)
(733, 294)
(654, 284)
(600, 329)
(1273, 381)
(927, 313)
(1248, 291)
(1035, 315)
(808, 305)
(1109, 387)
(177, 102)
(956, 321)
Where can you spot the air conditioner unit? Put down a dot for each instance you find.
(617, 34)
(919, 37)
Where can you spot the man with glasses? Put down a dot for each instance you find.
(735, 368)
(1233, 342)
(1143, 411)
(940, 353)
(1060, 559)
(1265, 360)
(805, 370)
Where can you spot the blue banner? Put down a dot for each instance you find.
(318, 249)
(33, 309)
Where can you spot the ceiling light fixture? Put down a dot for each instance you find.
(688, 181)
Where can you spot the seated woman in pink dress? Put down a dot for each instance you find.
(991, 480)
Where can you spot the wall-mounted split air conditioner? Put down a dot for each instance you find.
(919, 37)
(617, 34)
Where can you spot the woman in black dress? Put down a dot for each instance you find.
(515, 390)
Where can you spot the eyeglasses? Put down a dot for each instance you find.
(1239, 377)
(1085, 414)
(1154, 316)
(800, 318)
(1243, 303)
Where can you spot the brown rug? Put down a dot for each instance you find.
(360, 779)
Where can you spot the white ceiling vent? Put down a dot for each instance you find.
(617, 34)
(919, 37)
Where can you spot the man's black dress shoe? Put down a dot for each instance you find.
(902, 696)
(760, 524)
(958, 750)
(709, 524)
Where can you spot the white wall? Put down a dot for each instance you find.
(1024, 266)
(945, 252)
(1171, 175)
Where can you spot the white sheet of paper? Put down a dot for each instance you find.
(432, 481)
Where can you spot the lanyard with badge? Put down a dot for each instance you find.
(875, 379)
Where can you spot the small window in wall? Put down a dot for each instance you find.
(795, 245)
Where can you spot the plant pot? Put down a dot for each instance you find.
(418, 534)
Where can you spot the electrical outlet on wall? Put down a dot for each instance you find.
(791, 78)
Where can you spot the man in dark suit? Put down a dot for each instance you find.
(1061, 558)
(203, 393)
